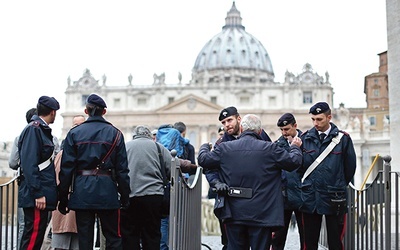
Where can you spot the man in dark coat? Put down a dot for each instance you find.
(324, 188)
(291, 184)
(230, 120)
(251, 168)
(94, 164)
(37, 192)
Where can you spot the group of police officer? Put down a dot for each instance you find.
(260, 184)
(93, 179)
(249, 172)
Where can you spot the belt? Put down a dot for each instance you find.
(96, 171)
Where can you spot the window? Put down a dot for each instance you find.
(142, 101)
(307, 97)
(372, 120)
(117, 103)
(213, 99)
(244, 100)
(272, 101)
(83, 100)
(376, 92)
(170, 100)
(193, 138)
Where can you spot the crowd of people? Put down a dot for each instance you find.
(259, 185)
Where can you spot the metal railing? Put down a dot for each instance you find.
(372, 220)
(8, 212)
(185, 210)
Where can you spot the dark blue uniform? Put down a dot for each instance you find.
(328, 182)
(292, 194)
(251, 163)
(96, 187)
(36, 146)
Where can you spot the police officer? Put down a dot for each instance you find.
(291, 183)
(324, 188)
(37, 192)
(94, 165)
(251, 168)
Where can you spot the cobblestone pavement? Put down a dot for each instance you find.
(214, 242)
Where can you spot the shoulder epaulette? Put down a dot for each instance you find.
(36, 123)
(344, 132)
(218, 141)
(305, 132)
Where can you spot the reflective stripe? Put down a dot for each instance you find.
(45, 164)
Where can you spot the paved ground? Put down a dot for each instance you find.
(214, 242)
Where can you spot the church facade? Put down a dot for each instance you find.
(232, 69)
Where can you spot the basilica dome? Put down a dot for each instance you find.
(234, 48)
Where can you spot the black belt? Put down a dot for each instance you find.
(96, 171)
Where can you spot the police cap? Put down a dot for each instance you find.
(286, 119)
(49, 102)
(96, 100)
(226, 112)
(319, 108)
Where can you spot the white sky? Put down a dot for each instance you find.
(44, 42)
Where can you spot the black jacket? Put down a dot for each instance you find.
(84, 148)
(250, 162)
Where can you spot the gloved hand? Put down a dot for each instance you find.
(125, 204)
(220, 187)
(62, 208)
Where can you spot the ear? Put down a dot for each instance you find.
(86, 112)
(104, 111)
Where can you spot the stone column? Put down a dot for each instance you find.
(393, 37)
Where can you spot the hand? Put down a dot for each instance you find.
(125, 204)
(192, 166)
(296, 141)
(221, 188)
(62, 208)
(41, 203)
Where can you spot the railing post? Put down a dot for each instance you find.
(388, 205)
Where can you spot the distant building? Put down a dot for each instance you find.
(234, 69)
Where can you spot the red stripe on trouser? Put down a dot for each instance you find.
(119, 223)
(304, 232)
(343, 230)
(36, 223)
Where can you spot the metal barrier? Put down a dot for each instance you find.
(185, 209)
(8, 212)
(372, 221)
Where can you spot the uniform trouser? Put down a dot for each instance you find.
(335, 227)
(141, 222)
(224, 238)
(242, 237)
(109, 219)
(279, 238)
(34, 229)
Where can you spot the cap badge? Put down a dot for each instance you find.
(284, 123)
(318, 110)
